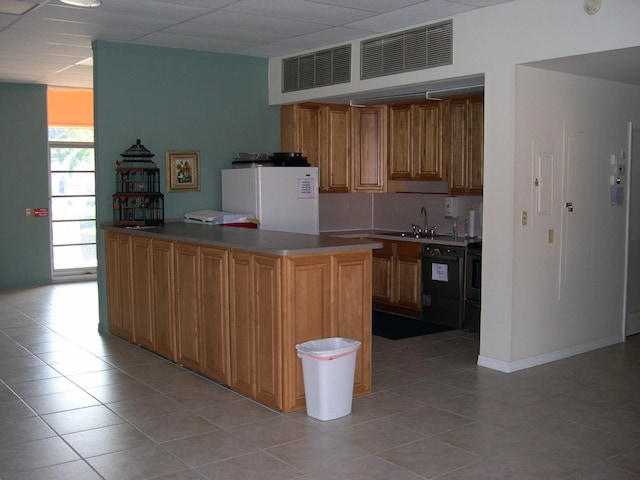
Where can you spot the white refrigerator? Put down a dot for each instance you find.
(281, 198)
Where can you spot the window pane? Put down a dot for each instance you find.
(70, 134)
(69, 183)
(65, 233)
(74, 257)
(64, 159)
(73, 208)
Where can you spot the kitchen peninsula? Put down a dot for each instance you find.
(232, 303)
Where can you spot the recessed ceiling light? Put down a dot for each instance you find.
(83, 3)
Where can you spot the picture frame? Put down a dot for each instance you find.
(183, 170)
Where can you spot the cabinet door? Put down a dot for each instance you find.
(369, 149)
(400, 142)
(458, 146)
(476, 146)
(163, 299)
(351, 284)
(307, 292)
(142, 278)
(427, 141)
(335, 152)
(214, 333)
(187, 305)
(300, 130)
(382, 273)
(408, 275)
(267, 320)
(466, 148)
(241, 328)
(118, 299)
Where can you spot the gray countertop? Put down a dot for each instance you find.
(389, 235)
(248, 239)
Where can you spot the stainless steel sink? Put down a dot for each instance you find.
(414, 235)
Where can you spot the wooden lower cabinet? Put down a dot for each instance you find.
(236, 316)
(397, 277)
(119, 284)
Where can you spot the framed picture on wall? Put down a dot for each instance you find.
(183, 170)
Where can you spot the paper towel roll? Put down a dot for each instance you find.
(472, 223)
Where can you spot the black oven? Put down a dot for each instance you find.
(473, 287)
(442, 285)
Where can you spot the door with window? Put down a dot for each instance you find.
(72, 200)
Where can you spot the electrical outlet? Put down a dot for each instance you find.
(27, 212)
(524, 217)
(550, 235)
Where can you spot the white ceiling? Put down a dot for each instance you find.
(51, 43)
(48, 44)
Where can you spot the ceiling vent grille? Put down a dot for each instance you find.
(318, 69)
(417, 49)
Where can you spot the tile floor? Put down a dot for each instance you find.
(78, 405)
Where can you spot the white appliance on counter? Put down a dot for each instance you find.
(281, 198)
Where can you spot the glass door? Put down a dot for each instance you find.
(73, 205)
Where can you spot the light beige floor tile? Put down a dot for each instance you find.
(102, 440)
(429, 392)
(76, 470)
(82, 419)
(603, 471)
(35, 454)
(27, 374)
(61, 402)
(100, 378)
(143, 462)
(174, 426)
(208, 447)
(377, 436)
(628, 459)
(428, 420)
(233, 414)
(481, 438)
(273, 431)
(13, 409)
(381, 404)
(45, 386)
(429, 458)
(139, 408)
(126, 389)
(366, 468)
(206, 395)
(316, 453)
(24, 430)
(254, 466)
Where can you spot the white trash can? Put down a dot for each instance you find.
(328, 369)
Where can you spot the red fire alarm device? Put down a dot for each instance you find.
(40, 212)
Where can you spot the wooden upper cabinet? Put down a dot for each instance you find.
(415, 141)
(321, 133)
(466, 146)
(369, 149)
(400, 142)
(335, 148)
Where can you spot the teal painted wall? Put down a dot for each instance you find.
(24, 183)
(177, 100)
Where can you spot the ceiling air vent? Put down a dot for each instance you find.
(416, 49)
(318, 69)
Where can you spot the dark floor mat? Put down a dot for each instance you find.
(396, 327)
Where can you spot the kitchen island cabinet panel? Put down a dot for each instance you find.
(119, 284)
(163, 306)
(214, 265)
(242, 332)
(236, 315)
(307, 290)
(142, 278)
(187, 278)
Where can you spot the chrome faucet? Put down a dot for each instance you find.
(423, 213)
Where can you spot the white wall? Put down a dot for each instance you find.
(493, 42)
(568, 294)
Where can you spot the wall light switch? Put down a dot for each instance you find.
(524, 217)
(550, 235)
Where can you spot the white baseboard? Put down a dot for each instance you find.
(510, 367)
